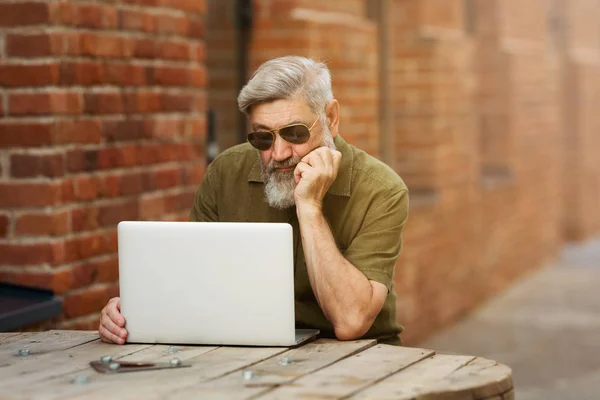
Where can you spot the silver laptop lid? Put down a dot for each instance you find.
(207, 283)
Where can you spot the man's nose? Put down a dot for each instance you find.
(282, 150)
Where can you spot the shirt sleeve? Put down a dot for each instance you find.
(376, 248)
(204, 208)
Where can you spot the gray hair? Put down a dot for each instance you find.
(285, 78)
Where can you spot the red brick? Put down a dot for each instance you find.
(29, 75)
(136, 20)
(198, 77)
(88, 301)
(66, 191)
(25, 134)
(144, 48)
(62, 12)
(31, 166)
(111, 215)
(194, 174)
(170, 50)
(82, 73)
(58, 102)
(35, 45)
(152, 207)
(57, 281)
(82, 160)
(178, 102)
(37, 224)
(196, 28)
(31, 254)
(95, 16)
(83, 247)
(107, 270)
(112, 241)
(177, 76)
(194, 6)
(146, 102)
(114, 157)
(170, 76)
(166, 178)
(4, 225)
(92, 187)
(131, 183)
(29, 194)
(86, 187)
(153, 154)
(84, 219)
(165, 127)
(125, 75)
(23, 13)
(104, 103)
(81, 131)
(196, 128)
(150, 3)
(114, 131)
(83, 275)
(98, 45)
(170, 25)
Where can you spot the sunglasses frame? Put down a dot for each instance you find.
(274, 131)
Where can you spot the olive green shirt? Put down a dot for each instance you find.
(366, 208)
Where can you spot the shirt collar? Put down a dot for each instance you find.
(341, 185)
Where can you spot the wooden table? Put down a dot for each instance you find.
(57, 367)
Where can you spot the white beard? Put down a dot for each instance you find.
(280, 186)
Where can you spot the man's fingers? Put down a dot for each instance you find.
(300, 169)
(112, 310)
(314, 159)
(107, 336)
(109, 324)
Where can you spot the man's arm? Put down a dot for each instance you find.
(350, 297)
(349, 300)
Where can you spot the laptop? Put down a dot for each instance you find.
(210, 283)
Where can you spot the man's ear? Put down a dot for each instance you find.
(332, 114)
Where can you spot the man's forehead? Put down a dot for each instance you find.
(278, 113)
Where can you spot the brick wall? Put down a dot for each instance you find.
(581, 65)
(102, 120)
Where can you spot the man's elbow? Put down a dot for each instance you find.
(353, 328)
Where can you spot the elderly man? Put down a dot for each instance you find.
(347, 209)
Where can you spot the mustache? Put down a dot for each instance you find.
(290, 162)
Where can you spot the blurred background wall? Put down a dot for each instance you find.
(487, 108)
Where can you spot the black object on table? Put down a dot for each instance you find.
(21, 306)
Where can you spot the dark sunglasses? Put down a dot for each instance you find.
(295, 134)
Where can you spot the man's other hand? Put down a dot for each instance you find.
(314, 174)
(112, 323)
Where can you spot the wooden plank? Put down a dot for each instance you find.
(62, 384)
(4, 335)
(348, 376)
(480, 378)
(270, 373)
(31, 370)
(43, 343)
(206, 363)
(416, 380)
(9, 337)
